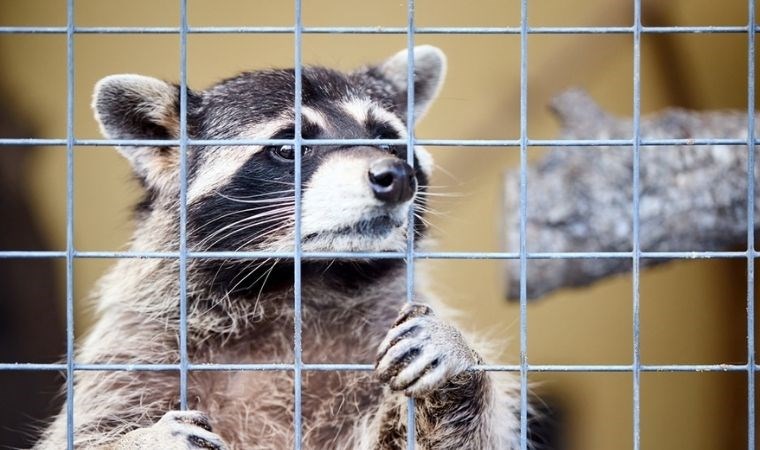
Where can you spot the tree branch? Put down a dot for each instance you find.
(692, 198)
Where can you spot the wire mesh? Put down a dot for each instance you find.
(410, 255)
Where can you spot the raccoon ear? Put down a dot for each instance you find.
(138, 107)
(429, 73)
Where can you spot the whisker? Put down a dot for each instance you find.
(440, 194)
(267, 213)
(271, 215)
(427, 223)
(422, 219)
(248, 271)
(265, 180)
(425, 208)
(330, 264)
(274, 220)
(448, 173)
(264, 194)
(263, 283)
(439, 186)
(235, 212)
(265, 233)
(259, 201)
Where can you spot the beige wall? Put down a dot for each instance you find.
(692, 312)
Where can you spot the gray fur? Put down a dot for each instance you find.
(348, 308)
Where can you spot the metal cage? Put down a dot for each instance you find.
(524, 368)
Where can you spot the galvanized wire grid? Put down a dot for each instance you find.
(524, 368)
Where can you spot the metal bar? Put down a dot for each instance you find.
(20, 254)
(523, 224)
(636, 303)
(70, 83)
(410, 126)
(183, 357)
(269, 367)
(427, 142)
(549, 30)
(751, 225)
(297, 309)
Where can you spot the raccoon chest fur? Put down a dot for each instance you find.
(256, 408)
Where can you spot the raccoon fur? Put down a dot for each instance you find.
(241, 198)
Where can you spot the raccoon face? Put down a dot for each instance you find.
(241, 198)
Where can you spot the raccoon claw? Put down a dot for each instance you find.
(197, 418)
(176, 430)
(411, 310)
(421, 352)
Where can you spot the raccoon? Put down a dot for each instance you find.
(242, 198)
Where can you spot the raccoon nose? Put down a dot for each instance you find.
(392, 180)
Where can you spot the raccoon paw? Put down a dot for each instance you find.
(421, 352)
(177, 430)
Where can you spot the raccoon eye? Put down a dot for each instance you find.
(392, 149)
(286, 152)
(385, 147)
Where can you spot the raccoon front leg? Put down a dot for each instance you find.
(177, 430)
(427, 359)
(127, 410)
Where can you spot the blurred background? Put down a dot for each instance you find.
(691, 312)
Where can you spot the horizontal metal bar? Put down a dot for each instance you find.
(368, 367)
(19, 254)
(20, 142)
(664, 368)
(31, 367)
(376, 30)
(35, 254)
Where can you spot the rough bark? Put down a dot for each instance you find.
(692, 198)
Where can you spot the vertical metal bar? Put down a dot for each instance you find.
(297, 324)
(410, 121)
(70, 224)
(635, 216)
(410, 144)
(183, 358)
(523, 224)
(751, 225)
